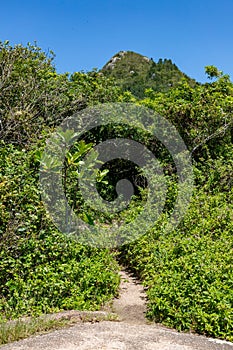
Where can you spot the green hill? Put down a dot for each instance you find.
(136, 73)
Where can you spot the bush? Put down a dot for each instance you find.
(42, 270)
(188, 272)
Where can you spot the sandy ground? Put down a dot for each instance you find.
(131, 304)
(131, 332)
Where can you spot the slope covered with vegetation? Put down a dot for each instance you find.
(136, 73)
(188, 271)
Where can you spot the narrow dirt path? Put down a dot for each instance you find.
(131, 304)
(130, 332)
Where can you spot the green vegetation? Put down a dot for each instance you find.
(188, 271)
(42, 270)
(34, 97)
(14, 331)
(23, 328)
(136, 73)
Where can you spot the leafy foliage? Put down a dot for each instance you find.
(203, 115)
(41, 270)
(35, 97)
(188, 272)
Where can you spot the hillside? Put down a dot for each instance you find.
(136, 73)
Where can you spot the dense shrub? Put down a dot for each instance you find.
(34, 96)
(41, 270)
(188, 272)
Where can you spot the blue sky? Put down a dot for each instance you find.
(86, 34)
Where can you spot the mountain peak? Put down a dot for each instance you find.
(136, 73)
(127, 59)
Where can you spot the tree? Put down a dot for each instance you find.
(213, 72)
(35, 97)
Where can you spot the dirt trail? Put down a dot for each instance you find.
(131, 304)
(131, 332)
